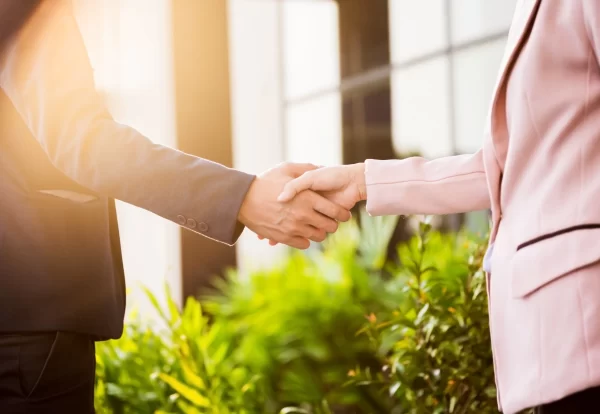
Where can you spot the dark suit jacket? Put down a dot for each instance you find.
(60, 259)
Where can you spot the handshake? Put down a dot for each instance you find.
(295, 203)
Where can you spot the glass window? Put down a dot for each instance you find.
(313, 130)
(475, 74)
(310, 47)
(420, 109)
(473, 19)
(417, 28)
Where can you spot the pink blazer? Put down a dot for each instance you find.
(539, 172)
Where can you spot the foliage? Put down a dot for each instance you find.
(336, 330)
(187, 369)
(436, 344)
(296, 324)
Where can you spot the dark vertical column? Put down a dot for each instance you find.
(366, 103)
(203, 117)
(366, 108)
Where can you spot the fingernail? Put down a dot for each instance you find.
(283, 196)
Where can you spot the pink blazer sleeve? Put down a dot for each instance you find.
(418, 186)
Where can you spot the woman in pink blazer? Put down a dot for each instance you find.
(539, 172)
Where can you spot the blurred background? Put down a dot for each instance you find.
(251, 83)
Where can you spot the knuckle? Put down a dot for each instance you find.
(301, 217)
(297, 223)
(291, 230)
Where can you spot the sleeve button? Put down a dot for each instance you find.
(181, 220)
(191, 223)
(203, 227)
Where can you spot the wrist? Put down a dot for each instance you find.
(244, 212)
(360, 180)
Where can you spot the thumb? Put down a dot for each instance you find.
(296, 186)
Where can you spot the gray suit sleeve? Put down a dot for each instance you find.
(47, 75)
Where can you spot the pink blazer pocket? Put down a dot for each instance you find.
(544, 259)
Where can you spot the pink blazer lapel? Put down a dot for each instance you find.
(496, 137)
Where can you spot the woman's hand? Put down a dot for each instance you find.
(344, 185)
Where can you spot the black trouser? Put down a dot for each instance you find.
(47, 373)
(585, 402)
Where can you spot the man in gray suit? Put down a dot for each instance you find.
(63, 161)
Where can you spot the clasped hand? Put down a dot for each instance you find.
(295, 203)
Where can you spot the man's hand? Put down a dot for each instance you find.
(309, 216)
(344, 184)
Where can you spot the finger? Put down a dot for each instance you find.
(319, 222)
(271, 242)
(297, 169)
(295, 241)
(330, 209)
(296, 186)
(316, 234)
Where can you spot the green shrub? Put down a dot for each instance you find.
(435, 346)
(331, 331)
(187, 369)
(296, 324)
(124, 373)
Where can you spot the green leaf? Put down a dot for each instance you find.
(421, 314)
(394, 388)
(174, 312)
(155, 304)
(186, 408)
(453, 401)
(187, 392)
(191, 377)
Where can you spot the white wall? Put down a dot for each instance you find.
(130, 47)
